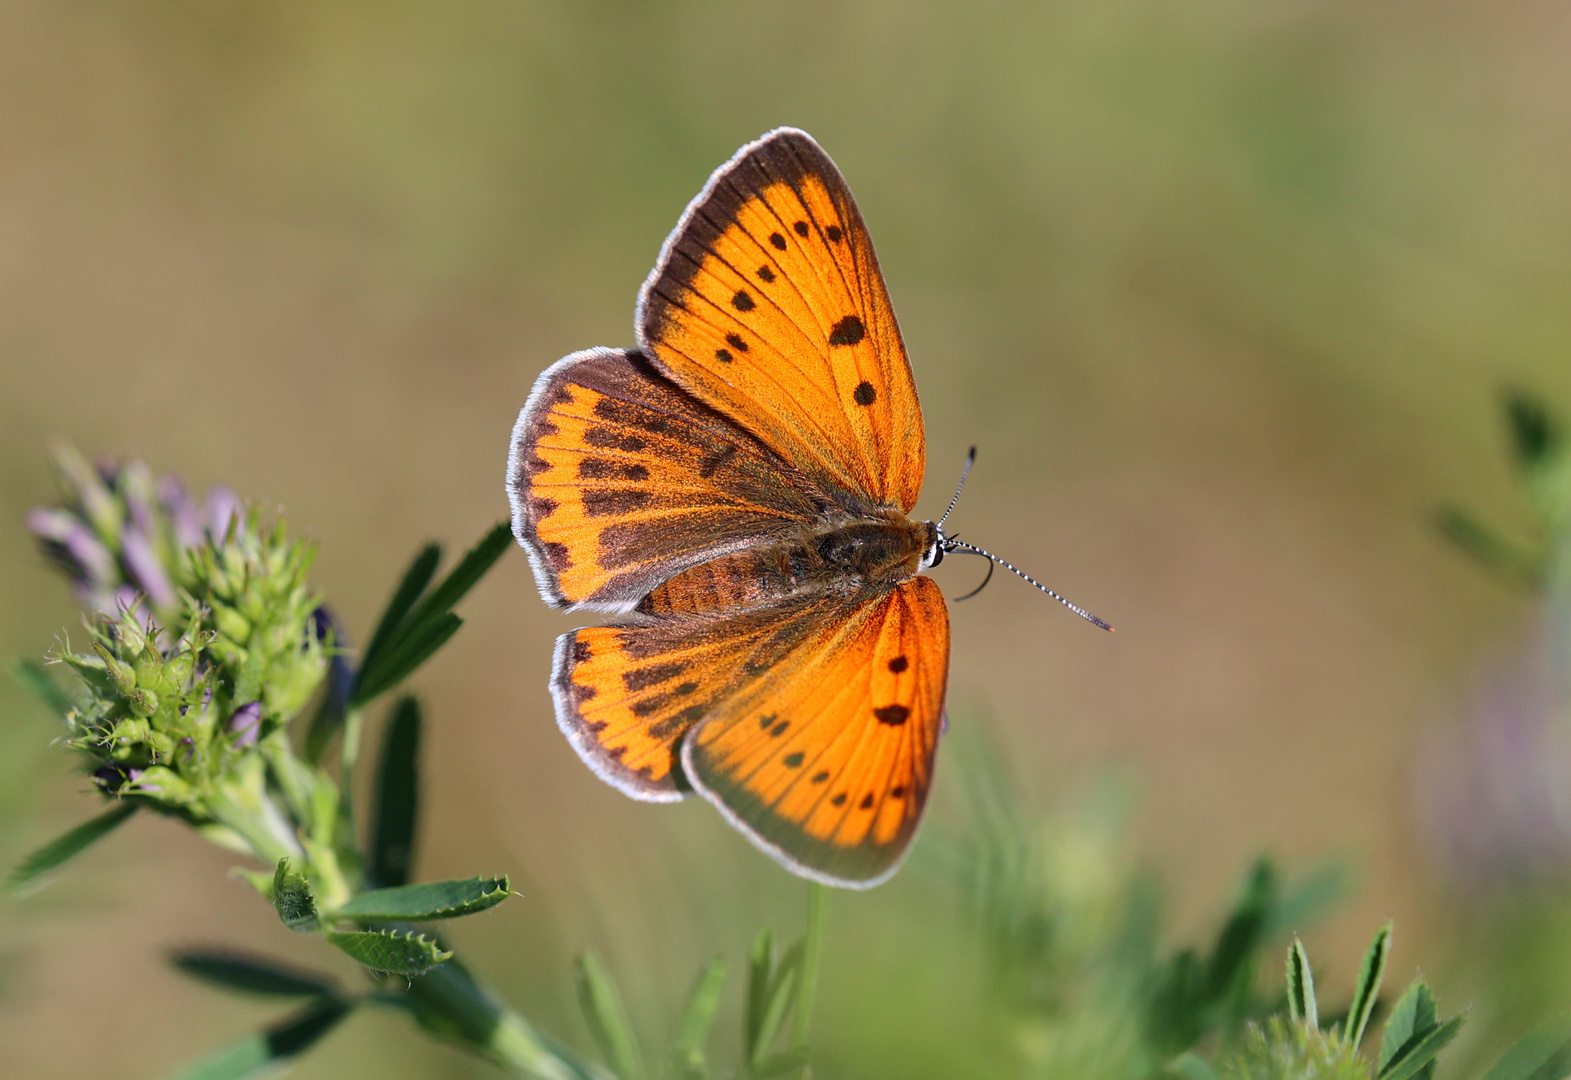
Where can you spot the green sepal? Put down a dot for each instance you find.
(395, 800)
(1411, 1018)
(397, 952)
(1301, 1004)
(1367, 989)
(606, 1015)
(265, 1050)
(293, 899)
(63, 847)
(1417, 1058)
(1542, 1054)
(31, 675)
(426, 901)
(249, 974)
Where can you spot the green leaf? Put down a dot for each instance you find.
(1243, 932)
(398, 952)
(1535, 434)
(234, 970)
(1411, 1018)
(266, 1049)
(395, 802)
(1367, 988)
(780, 1064)
(1542, 1054)
(426, 901)
(44, 859)
(780, 996)
(1489, 548)
(402, 658)
(698, 1015)
(1301, 1004)
(31, 674)
(293, 898)
(761, 962)
(1191, 1066)
(415, 579)
(607, 1018)
(1418, 1056)
(470, 569)
(1307, 900)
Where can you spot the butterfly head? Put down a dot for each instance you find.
(934, 543)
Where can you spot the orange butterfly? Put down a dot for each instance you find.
(737, 489)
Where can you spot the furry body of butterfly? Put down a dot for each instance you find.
(737, 490)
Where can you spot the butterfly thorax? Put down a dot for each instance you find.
(839, 555)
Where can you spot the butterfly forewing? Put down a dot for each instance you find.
(826, 758)
(618, 479)
(768, 304)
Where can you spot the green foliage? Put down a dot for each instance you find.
(686, 1060)
(1542, 1054)
(293, 899)
(1282, 1050)
(1301, 1005)
(430, 900)
(601, 1002)
(1368, 987)
(395, 800)
(414, 627)
(267, 1050)
(66, 846)
(247, 974)
(396, 952)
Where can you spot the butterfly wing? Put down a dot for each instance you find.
(626, 695)
(619, 479)
(826, 759)
(767, 304)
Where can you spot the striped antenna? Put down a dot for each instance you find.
(956, 545)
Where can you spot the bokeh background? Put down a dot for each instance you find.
(1226, 292)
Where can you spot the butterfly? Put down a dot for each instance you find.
(736, 491)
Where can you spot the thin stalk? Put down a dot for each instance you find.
(812, 949)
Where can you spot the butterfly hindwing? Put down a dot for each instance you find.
(618, 479)
(767, 304)
(626, 694)
(825, 759)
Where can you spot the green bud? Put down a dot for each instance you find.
(143, 703)
(233, 625)
(121, 674)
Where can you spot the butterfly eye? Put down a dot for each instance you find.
(935, 554)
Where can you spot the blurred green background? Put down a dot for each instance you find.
(1225, 291)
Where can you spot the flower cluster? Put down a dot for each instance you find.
(205, 639)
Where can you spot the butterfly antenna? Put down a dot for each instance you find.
(956, 545)
(964, 472)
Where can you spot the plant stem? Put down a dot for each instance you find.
(812, 949)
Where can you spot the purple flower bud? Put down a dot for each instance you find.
(185, 521)
(340, 676)
(147, 570)
(246, 723)
(72, 544)
(224, 507)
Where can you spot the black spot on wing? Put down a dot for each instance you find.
(764, 272)
(792, 760)
(848, 331)
(834, 233)
(894, 715)
(899, 664)
(736, 342)
(778, 241)
(614, 501)
(864, 394)
(801, 228)
(742, 301)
